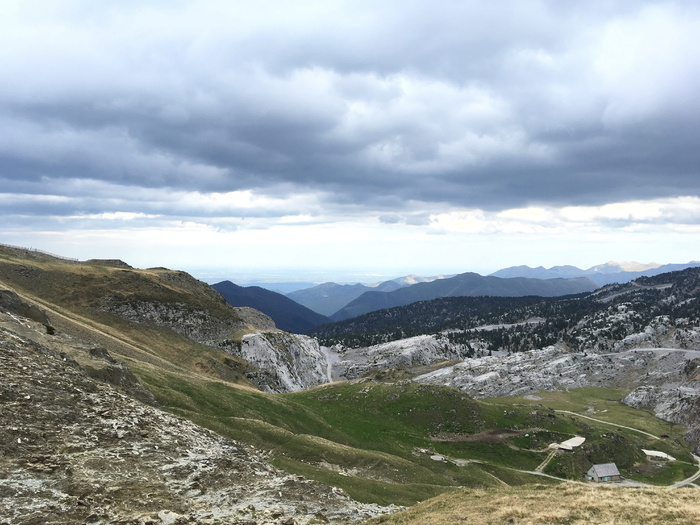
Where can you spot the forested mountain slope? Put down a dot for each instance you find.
(288, 315)
(599, 320)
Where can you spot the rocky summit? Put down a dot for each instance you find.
(81, 449)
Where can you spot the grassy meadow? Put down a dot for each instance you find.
(379, 441)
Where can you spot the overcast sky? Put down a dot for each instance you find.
(351, 140)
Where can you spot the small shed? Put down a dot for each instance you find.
(604, 473)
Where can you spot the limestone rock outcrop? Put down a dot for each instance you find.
(404, 353)
(293, 362)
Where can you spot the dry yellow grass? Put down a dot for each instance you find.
(570, 504)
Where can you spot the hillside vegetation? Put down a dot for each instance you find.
(155, 318)
(375, 440)
(570, 504)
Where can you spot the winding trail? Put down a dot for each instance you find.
(608, 423)
(691, 479)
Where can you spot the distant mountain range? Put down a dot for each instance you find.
(602, 274)
(303, 310)
(288, 315)
(328, 298)
(466, 284)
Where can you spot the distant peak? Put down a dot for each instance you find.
(638, 267)
(625, 266)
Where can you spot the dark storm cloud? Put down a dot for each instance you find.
(373, 105)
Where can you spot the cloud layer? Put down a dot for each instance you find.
(404, 112)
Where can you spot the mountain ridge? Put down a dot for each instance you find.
(288, 314)
(330, 298)
(327, 298)
(602, 274)
(465, 284)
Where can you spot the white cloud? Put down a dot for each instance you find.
(649, 64)
(669, 214)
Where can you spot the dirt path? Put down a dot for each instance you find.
(97, 332)
(608, 423)
(546, 461)
(331, 359)
(691, 479)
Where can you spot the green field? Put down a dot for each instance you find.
(375, 440)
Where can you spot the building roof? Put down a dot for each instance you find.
(606, 469)
(569, 444)
(658, 454)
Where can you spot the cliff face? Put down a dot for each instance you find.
(676, 400)
(293, 362)
(677, 403)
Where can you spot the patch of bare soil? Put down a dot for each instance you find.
(649, 468)
(496, 435)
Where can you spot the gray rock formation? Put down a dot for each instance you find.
(294, 362)
(674, 401)
(555, 368)
(11, 303)
(405, 353)
(199, 325)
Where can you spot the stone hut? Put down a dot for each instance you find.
(604, 473)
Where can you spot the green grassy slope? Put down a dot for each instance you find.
(375, 440)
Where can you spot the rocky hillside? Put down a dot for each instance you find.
(148, 318)
(556, 369)
(79, 447)
(643, 336)
(651, 310)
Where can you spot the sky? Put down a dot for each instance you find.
(351, 140)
